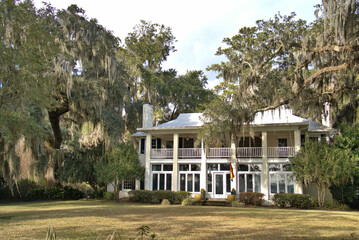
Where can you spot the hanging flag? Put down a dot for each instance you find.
(232, 175)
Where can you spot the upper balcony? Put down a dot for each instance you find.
(224, 152)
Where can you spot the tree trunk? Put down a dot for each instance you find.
(54, 116)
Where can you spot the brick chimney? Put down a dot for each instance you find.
(147, 116)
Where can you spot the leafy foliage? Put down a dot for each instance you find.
(302, 201)
(120, 163)
(323, 164)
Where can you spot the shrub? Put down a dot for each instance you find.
(165, 202)
(334, 204)
(146, 196)
(187, 202)
(251, 198)
(97, 193)
(142, 196)
(182, 195)
(25, 185)
(72, 193)
(5, 193)
(110, 196)
(54, 193)
(36, 194)
(302, 201)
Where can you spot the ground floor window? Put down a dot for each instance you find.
(161, 176)
(281, 178)
(249, 177)
(189, 175)
(128, 184)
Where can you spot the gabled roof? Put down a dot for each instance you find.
(271, 117)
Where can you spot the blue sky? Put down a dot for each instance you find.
(198, 25)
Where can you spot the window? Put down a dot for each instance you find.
(162, 176)
(282, 142)
(128, 185)
(281, 178)
(142, 146)
(189, 177)
(249, 177)
(169, 144)
(156, 143)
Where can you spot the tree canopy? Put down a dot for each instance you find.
(285, 61)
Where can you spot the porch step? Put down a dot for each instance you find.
(223, 203)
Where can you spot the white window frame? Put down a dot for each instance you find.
(189, 172)
(288, 175)
(128, 184)
(158, 176)
(253, 173)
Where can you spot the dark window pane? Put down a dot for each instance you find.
(281, 183)
(184, 167)
(274, 167)
(167, 167)
(256, 168)
(162, 182)
(290, 183)
(143, 146)
(212, 167)
(188, 143)
(142, 184)
(156, 167)
(169, 182)
(249, 183)
(243, 167)
(195, 167)
(154, 182)
(224, 167)
(287, 167)
(257, 179)
(273, 183)
(190, 183)
(219, 184)
(154, 143)
(196, 182)
(282, 142)
(183, 182)
(228, 182)
(169, 144)
(159, 143)
(242, 186)
(209, 180)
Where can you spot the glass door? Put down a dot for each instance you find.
(220, 185)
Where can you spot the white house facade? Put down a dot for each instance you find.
(174, 159)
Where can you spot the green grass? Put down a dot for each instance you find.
(98, 219)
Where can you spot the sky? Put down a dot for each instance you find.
(198, 25)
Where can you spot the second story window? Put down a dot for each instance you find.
(142, 146)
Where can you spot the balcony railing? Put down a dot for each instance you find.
(162, 153)
(249, 152)
(219, 152)
(189, 153)
(281, 152)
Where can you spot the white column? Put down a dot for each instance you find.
(265, 177)
(298, 186)
(175, 163)
(203, 183)
(137, 184)
(233, 162)
(148, 158)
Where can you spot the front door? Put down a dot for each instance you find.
(219, 185)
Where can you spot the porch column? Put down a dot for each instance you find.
(233, 161)
(175, 163)
(265, 177)
(298, 186)
(203, 179)
(147, 164)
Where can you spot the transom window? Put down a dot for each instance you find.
(281, 178)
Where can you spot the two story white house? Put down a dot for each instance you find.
(174, 159)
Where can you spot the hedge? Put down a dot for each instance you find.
(251, 198)
(54, 193)
(293, 200)
(146, 196)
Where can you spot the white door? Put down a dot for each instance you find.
(219, 185)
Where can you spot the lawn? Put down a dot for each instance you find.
(97, 219)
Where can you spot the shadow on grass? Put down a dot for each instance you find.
(91, 219)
